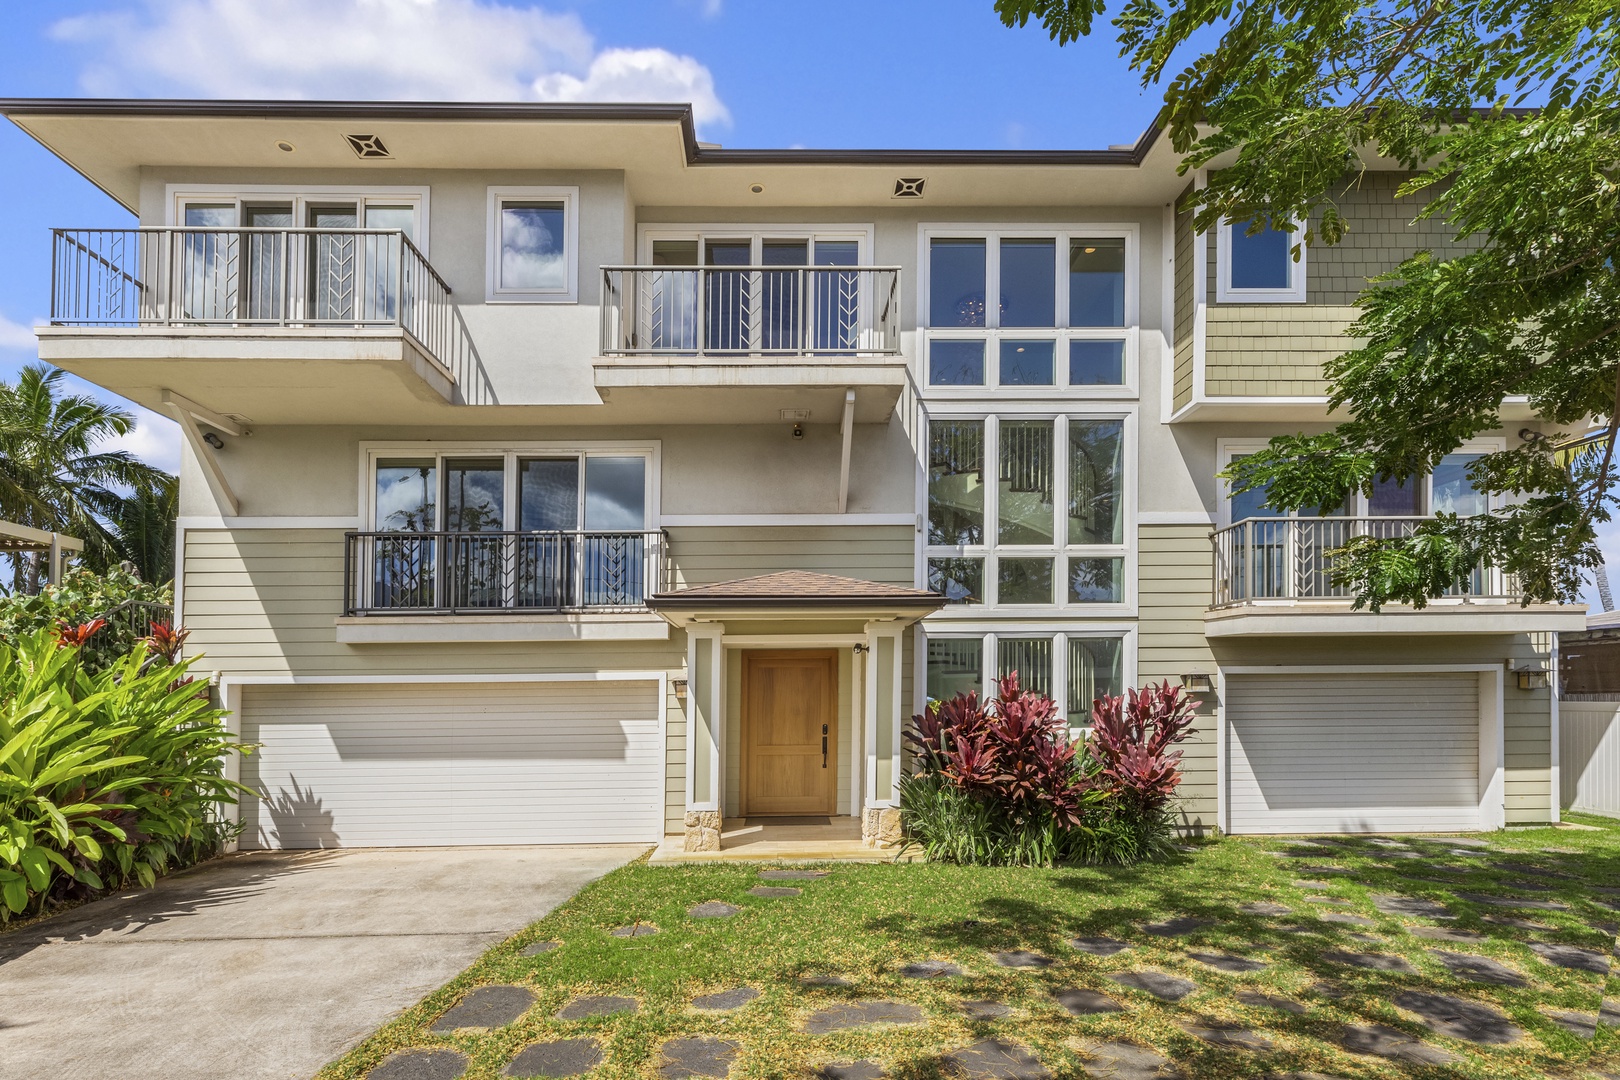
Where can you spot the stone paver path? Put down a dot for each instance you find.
(1180, 926)
(596, 1005)
(1568, 956)
(1126, 1061)
(697, 1057)
(1370, 961)
(1480, 969)
(1514, 924)
(567, 1057)
(539, 948)
(1511, 902)
(726, 999)
(793, 875)
(1162, 986)
(775, 892)
(1309, 884)
(1346, 919)
(996, 1059)
(1232, 1037)
(1099, 946)
(851, 1070)
(1227, 962)
(930, 969)
(1460, 1019)
(712, 909)
(1265, 907)
(485, 1007)
(1023, 958)
(862, 1014)
(1393, 1044)
(420, 1065)
(985, 1010)
(1581, 1025)
(1269, 1001)
(639, 929)
(1447, 933)
(1329, 900)
(818, 982)
(1410, 905)
(1082, 1002)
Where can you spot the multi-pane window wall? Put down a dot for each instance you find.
(1028, 511)
(1073, 667)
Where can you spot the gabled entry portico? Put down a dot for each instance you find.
(794, 704)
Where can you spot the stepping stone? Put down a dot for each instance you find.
(712, 909)
(1510, 902)
(1099, 946)
(1579, 1024)
(1609, 1013)
(1265, 907)
(930, 969)
(995, 1059)
(697, 1057)
(1385, 842)
(567, 1057)
(851, 1070)
(1162, 986)
(726, 999)
(1308, 853)
(1125, 1061)
(1387, 1042)
(639, 929)
(774, 892)
(1410, 905)
(1446, 933)
(1460, 1019)
(539, 948)
(1235, 1038)
(985, 1010)
(1526, 868)
(596, 1005)
(862, 1014)
(1480, 969)
(1369, 939)
(1225, 962)
(1179, 926)
(1329, 900)
(1328, 990)
(1459, 841)
(1081, 1002)
(815, 982)
(1268, 1001)
(1530, 886)
(1312, 885)
(1326, 870)
(1346, 919)
(420, 1065)
(1516, 924)
(793, 875)
(1568, 956)
(485, 1007)
(1371, 961)
(1023, 958)
(1397, 855)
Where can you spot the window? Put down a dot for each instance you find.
(1259, 267)
(512, 492)
(1038, 312)
(1448, 490)
(533, 245)
(1049, 531)
(1074, 668)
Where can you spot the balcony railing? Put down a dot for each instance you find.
(258, 278)
(466, 573)
(1291, 559)
(751, 310)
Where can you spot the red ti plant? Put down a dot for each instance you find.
(1132, 736)
(73, 637)
(165, 641)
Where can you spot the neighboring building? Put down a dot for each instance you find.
(553, 478)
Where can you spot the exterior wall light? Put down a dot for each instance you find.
(1198, 682)
(1531, 676)
(213, 440)
(679, 686)
(285, 147)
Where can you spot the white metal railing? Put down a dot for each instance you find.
(751, 310)
(1292, 559)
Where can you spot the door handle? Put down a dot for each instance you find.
(823, 746)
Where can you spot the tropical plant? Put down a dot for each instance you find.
(1132, 739)
(53, 476)
(105, 777)
(118, 596)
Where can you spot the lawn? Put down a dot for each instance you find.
(863, 924)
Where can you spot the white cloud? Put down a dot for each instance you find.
(16, 336)
(449, 50)
(711, 8)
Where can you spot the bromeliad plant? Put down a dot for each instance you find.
(105, 776)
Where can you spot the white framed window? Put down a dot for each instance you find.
(739, 244)
(1029, 311)
(1030, 512)
(288, 206)
(533, 245)
(1259, 268)
(1073, 665)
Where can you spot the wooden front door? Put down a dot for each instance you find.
(789, 733)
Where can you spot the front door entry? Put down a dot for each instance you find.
(789, 731)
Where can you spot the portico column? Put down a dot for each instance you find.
(885, 714)
(705, 731)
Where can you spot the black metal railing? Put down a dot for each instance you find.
(186, 276)
(1291, 559)
(751, 310)
(136, 618)
(398, 573)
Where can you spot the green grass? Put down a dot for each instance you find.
(865, 921)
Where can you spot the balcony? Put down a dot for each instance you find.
(502, 586)
(278, 325)
(1274, 577)
(743, 342)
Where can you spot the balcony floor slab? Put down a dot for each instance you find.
(433, 629)
(1316, 619)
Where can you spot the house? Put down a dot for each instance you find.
(554, 478)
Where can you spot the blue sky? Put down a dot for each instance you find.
(760, 73)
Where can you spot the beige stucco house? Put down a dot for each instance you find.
(552, 477)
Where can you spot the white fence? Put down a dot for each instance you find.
(1589, 756)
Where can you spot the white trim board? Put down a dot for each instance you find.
(768, 520)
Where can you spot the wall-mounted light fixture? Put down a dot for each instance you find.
(1198, 682)
(1531, 675)
(798, 431)
(213, 440)
(679, 685)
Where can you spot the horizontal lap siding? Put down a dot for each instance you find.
(709, 554)
(1173, 589)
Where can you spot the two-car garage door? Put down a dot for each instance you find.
(452, 763)
(1353, 752)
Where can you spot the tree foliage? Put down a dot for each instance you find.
(1525, 303)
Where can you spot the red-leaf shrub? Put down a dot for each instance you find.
(72, 637)
(165, 641)
(1132, 736)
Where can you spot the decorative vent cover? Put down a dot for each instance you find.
(367, 146)
(909, 187)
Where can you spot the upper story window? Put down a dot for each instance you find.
(543, 491)
(1447, 490)
(283, 207)
(1034, 310)
(533, 245)
(1258, 267)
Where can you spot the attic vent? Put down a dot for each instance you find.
(909, 187)
(367, 146)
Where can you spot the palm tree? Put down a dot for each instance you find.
(53, 477)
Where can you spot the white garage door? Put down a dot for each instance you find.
(452, 763)
(1353, 753)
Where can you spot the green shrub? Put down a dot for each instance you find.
(82, 596)
(106, 777)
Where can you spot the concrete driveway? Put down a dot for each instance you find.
(265, 965)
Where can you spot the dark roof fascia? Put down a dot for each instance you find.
(677, 602)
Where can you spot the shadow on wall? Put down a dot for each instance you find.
(297, 819)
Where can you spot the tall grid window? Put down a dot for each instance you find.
(1074, 668)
